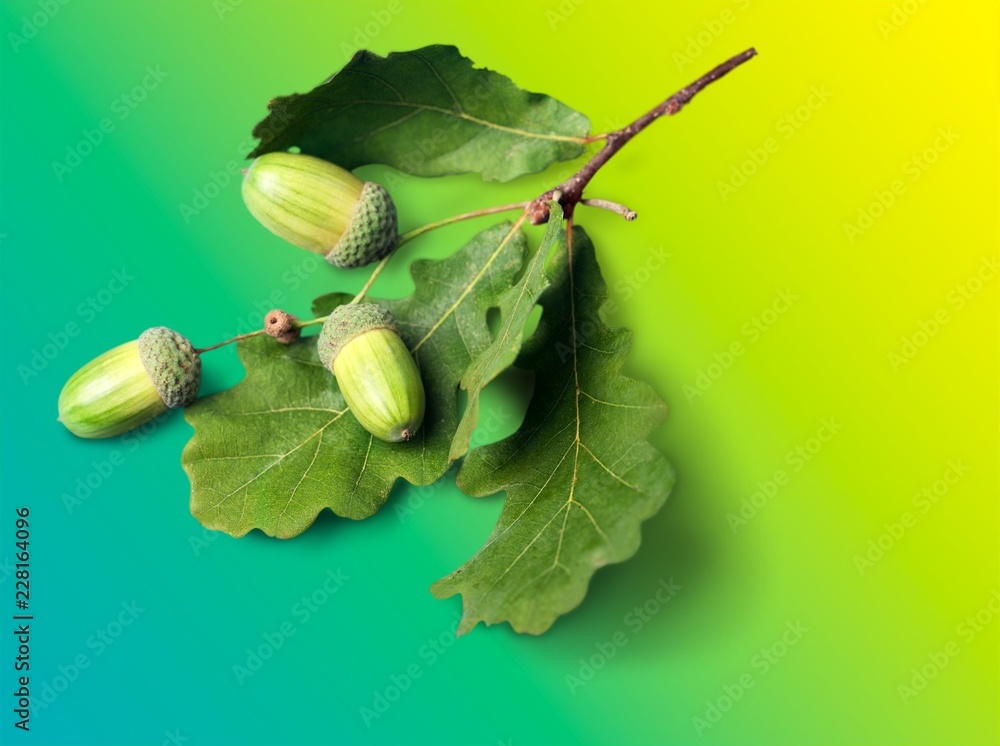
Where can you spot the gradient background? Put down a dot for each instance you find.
(206, 599)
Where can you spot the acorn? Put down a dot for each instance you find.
(131, 384)
(361, 346)
(321, 207)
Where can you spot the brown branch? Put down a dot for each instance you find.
(571, 190)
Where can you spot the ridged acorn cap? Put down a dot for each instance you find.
(372, 232)
(172, 364)
(347, 322)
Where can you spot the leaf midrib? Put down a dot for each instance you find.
(575, 446)
(418, 108)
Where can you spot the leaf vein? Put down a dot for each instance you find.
(608, 470)
(454, 98)
(364, 464)
(615, 404)
(531, 502)
(291, 497)
(473, 282)
(469, 118)
(377, 78)
(389, 125)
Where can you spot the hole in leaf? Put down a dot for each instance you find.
(502, 406)
(493, 320)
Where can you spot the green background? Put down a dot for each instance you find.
(845, 99)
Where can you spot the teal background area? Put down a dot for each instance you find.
(157, 201)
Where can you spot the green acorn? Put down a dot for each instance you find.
(131, 384)
(360, 345)
(321, 207)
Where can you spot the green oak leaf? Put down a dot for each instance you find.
(515, 305)
(281, 445)
(427, 112)
(580, 474)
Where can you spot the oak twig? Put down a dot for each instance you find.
(571, 190)
(568, 194)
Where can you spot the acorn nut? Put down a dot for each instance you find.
(131, 384)
(361, 346)
(321, 207)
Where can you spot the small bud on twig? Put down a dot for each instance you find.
(281, 325)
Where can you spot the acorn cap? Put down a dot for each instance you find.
(371, 234)
(172, 364)
(347, 322)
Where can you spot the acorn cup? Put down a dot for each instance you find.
(321, 207)
(361, 346)
(130, 385)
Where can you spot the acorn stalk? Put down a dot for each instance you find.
(321, 207)
(130, 385)
(361, 346)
